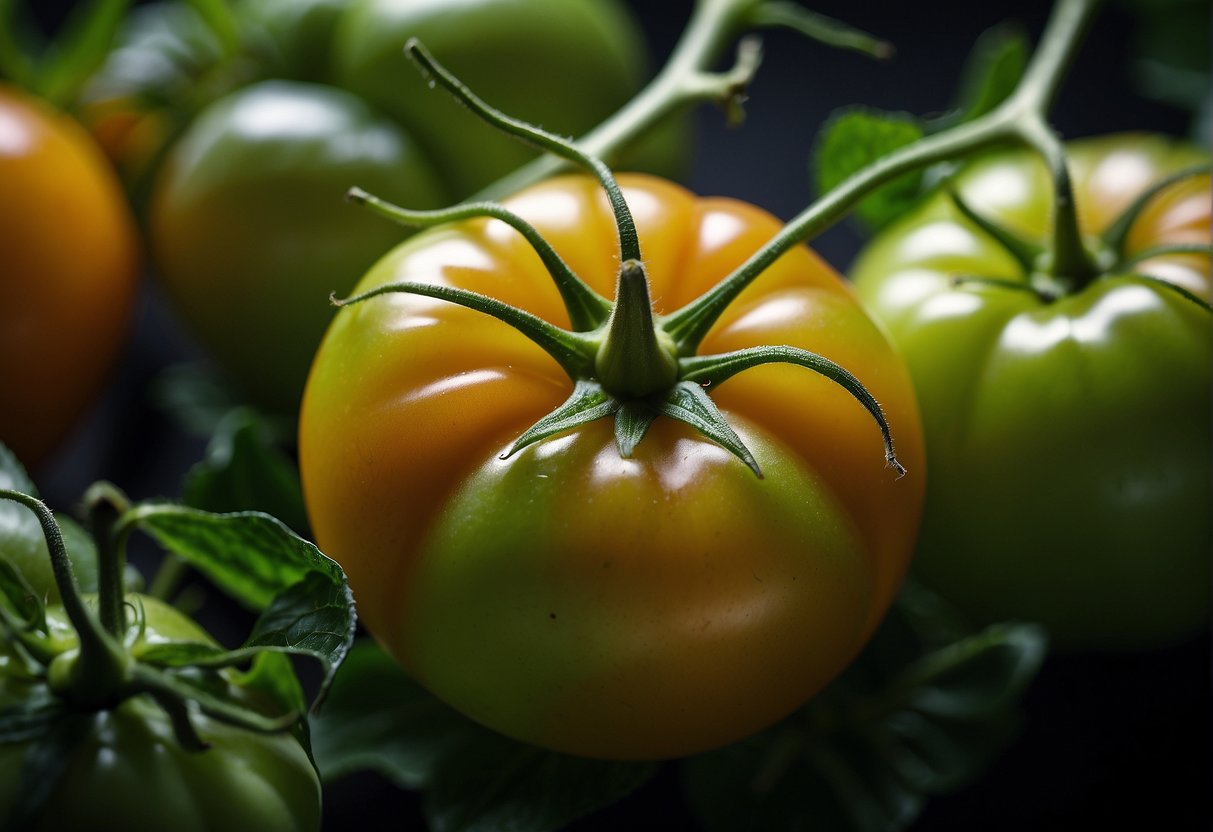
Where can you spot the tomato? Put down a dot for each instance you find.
(251, 231)
(69, 275)
(1068, 439)
(264, 169)
(129, 772)
(619, 608)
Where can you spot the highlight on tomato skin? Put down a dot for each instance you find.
(636, 608)
(68, 283)
(1068, 436)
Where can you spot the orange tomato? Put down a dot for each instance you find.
(68, 269)
(620, 608)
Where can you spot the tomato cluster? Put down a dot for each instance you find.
(129, 770)
(333, 102)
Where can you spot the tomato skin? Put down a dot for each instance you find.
(69, 276)
(625, 609)
(129, 772)
(1068, 441)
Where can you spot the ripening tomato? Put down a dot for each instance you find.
(68, 277)
(612, 607)
(1068, 431)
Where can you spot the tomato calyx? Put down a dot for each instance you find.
(623, 360)
(636, 359)
(96, 660)
(1107, 253)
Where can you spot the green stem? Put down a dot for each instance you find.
(1033, 99)
(100, 671)
(573, 351)
(632, 361)
(689, 325)
(629, 242)
(684, 79)
(1016, 120)
(1167, 250)
(1069, 262)
(821, 28)
(106, 505)
(1116, 234)
(717, 369)
(586, 308)
(1059, 44)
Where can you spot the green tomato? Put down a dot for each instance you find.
(128, 772)
(248, 227)
(251, 232)
(562, 64)
(1068, 439)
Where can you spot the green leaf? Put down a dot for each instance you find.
(17, 45)
(272, 678)
(250, 555)
(923, 710)
(495, 783)
(991, 73)
(221, 20)
(856, 137)
(79, 49)
(313, 618)
(31, 718)
(245, 470)
(976, 677)
(306, 605)
(198, 398)
(22, 599)
(379, 719)
(22, 543)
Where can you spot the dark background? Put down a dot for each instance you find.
(1121, 740)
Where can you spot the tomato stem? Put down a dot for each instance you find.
(1117, 233)
(586, 308)
(688, 78)
(574, 352)
(1025, 252)
(716, 369)
(106, 505)
(97, 675)
(633, 361)
(1020, 119)
(820, 28)
(629, 243)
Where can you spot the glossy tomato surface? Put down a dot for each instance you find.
(68, 278)
(129, 772)
(620, 608)
(1069, 439)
